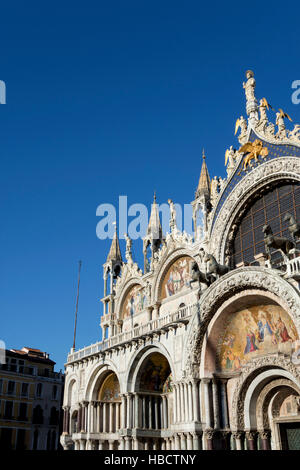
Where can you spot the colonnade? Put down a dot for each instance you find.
(200, 405)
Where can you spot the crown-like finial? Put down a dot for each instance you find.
(203, 154)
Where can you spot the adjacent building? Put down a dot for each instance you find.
(201, 348)
(30, 401)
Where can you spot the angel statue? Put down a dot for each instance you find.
(263, 107)
(214, 187)
(230, 158)
(280, 116)
(173, 214)
(128, 253)
(242, 123)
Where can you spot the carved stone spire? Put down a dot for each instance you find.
(154, 229)
(114, 252)
(154, 234)
(204, 180)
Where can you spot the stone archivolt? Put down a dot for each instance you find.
(165, 397)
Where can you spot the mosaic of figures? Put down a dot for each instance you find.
(110, 389)
(156, 375)
(135, 301)
(177, 278)
(252, 332)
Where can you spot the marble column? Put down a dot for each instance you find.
(165, 411)
(177, 442)
(144, 412)
(174, 403)
(251, 440)
(123, 412)
(196, 416)
(122, 443)
(128, 407)
(196, 441)
(265, 439)
(209, 435)
(191, 404)
(111, 417)
(189, 441)
(224, 403)
(156, 412)
(111, 444)
(238, 435)
(178, 404)
(118, 414)
(104, 408)
(136, 411)
(100, 444)
(182, 441)
(186, 402)
(216, 404)
(127, 443)
(206, 383)
(150, 411)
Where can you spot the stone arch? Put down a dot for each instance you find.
(279, 169)
(125, 291)
(265, 397)
(262, 279)
(70, 383)
(253, 374)
(138, 360)
(96, 376)
(167, 263)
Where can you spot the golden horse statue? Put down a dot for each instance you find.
(254, 150)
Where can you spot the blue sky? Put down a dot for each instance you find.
(107, 99)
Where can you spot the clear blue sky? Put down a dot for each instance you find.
(113, 98)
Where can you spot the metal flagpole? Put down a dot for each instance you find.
(76, 310)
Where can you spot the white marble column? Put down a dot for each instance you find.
(186, 402)
(174, 403)
(191, 404)
(128, 398)
(196, 416)
(177, 442)
(182, 441)
(189, 441)
(182, 402)
(123, 412)
(118, 413)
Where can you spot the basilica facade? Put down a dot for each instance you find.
(201, 347)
